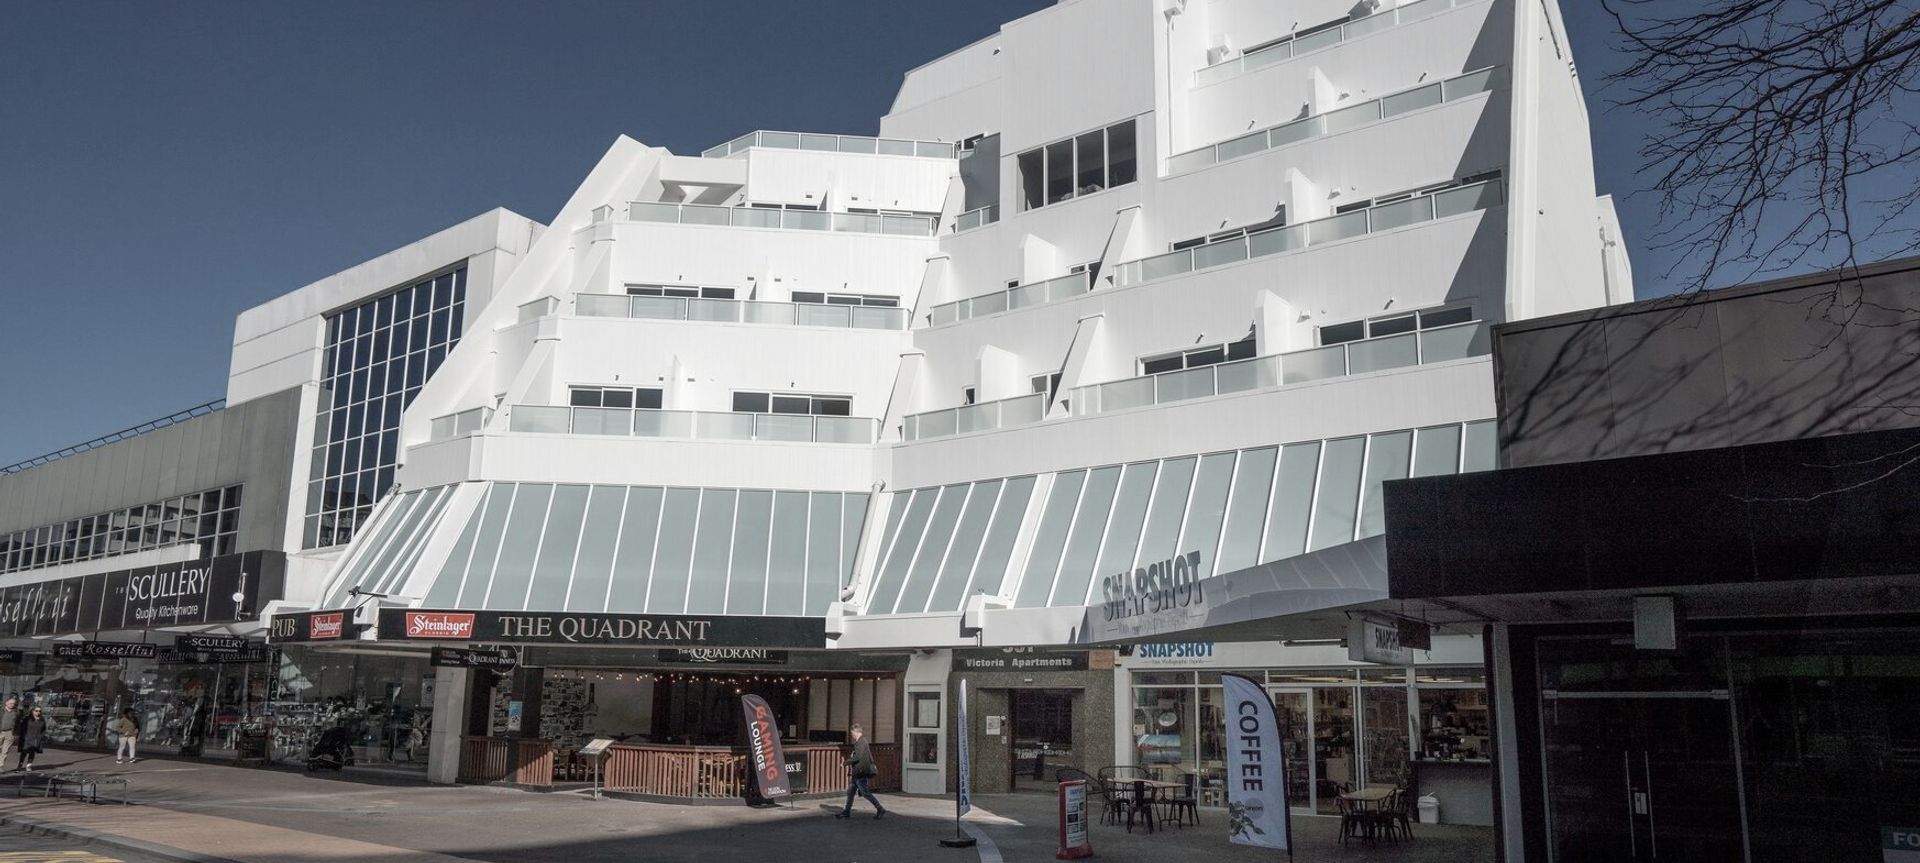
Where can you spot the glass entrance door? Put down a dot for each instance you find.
(1642, 776)
(1294, 709)
(1042, 736)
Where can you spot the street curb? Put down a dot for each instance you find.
(111, 840)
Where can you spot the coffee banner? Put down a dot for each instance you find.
(1257, 811)
(765, 757)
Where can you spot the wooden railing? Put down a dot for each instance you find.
(719, 772)
(500, 759)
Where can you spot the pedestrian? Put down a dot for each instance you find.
(860, 772)
(32, 732)
(128, 729)
(9, 718)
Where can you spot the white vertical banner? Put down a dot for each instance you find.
(963, 799)
(1257, 812)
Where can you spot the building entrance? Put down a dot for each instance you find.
(1642, 776)
(1042, 736)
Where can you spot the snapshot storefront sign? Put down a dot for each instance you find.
(1157, 588)
(169, 594)
(723, 655)
(479, 657)
(104, 650)
(322, 625)
(1374, 640)
(1025, 659)
(635, 630)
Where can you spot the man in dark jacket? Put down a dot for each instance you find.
(860, 772)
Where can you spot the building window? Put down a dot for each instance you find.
(1081, 165)
(827, 299)
(378, 356)
(792, 403)
(689, 291)
(614, 397)
(1048, 383)
(1389, 325)
(969, 395)
(923, 727)
(1194, 358)
(210, 519)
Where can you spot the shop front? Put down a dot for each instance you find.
(86, 648)
(515, 697)
(1345, 724)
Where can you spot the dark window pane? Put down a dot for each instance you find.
(750, 402)
(792, 405)
(1206, 357)
(622, 398)
(1390, 326)
(809, 297)
(833, 407)
(1443, 317)
(1337, 333)
(681, 292)
(887, 302)
(647, 398)
(1240, 350)
(1091, 149)
(1059, 171)
(1033, 177)
(1160, 365)
(842, 300)
(717, 293)
(1122, 167)
(584, 397)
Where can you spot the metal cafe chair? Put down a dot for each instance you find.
(1096, 787)
(1184, 804)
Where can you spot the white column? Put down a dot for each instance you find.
(449, 723)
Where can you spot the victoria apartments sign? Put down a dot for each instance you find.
(639, 630)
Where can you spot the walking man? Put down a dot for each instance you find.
(861, 770)
(32, 732)
(9, 719)
(127, 728)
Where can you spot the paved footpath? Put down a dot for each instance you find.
(208, 812)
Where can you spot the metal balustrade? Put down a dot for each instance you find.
(1436, 345)
(1019, 297)
(1284, 51)
(740, 311)
(1340, 119)
(971, 219)
(457, 424)
(1287, 238)
(116, 437)
(834, 144)
(985, 416)
(695, 425)
(794, 220)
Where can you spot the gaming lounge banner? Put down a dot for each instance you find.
(224, 589)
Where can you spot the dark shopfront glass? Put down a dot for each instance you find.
(383, 700)
(183, 708)
(1809, 740)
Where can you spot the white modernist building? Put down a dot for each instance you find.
(1110, 337)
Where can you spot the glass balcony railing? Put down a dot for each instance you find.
(797, 220)
(834, 144)
(740, 311)
(463, 423)
(1340, 119)
(534, 310)
(1436, 345)
(1020, 297)
(971, 219)
(694, 425)
(1283, 51)
(1287, 238)
(1005, 413)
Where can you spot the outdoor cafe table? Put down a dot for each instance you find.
(1143, 793)
(1371, 796)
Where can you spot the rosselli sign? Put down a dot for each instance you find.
(325, 625)
(169, 594)
(104, 650)
(637, 630)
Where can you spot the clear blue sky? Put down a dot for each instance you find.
(164, 166)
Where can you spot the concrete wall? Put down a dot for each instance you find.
(1802, 357)
(251, 444)
(991, 694)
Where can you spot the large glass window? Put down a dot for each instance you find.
(209, 519)
(1081, 165)
(378, 356)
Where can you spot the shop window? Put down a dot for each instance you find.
(923, 727)
(1080, 165)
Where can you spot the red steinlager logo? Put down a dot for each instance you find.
(427, 624)
(327, 625)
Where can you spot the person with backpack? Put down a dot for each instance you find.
(861, 769)
(127, 728)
